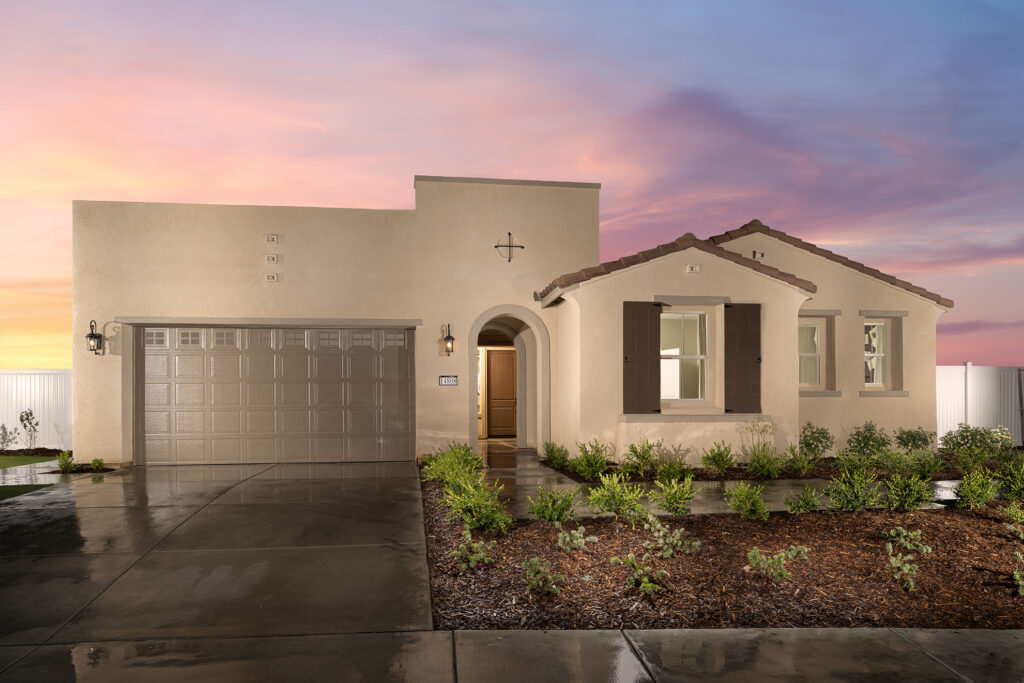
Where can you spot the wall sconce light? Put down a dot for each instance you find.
(94, 339)
(449, 341)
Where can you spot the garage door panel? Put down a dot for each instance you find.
(261, 450)
(327, 394)
(226, 366)
(157, 394)
(396, 420)
(226, 450)
(293, 394)
(226, 394)
(157, 422)
(190, 451)
(158, 451)
(189, 394)
(259, 394)
(295, 450)
(328, 449)
(260, 422)
(361, 448)
(259, 366)
(360, 420)
(395, 447)
(328, 422)
(361, 366)
(327, 367)
(396, 366)
(396, 394)
(293, 421)
(224, 422)
(157, 367)
(189, 367)
(360, 394)
(189, 422)
(293, 367)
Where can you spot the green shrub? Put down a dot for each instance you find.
(65, 462)
(914, 439)
(617, 497)
(774, 566)
(867, 439)
(1011, 479)
(455, 465)
(675, 496)
(901, 567)
(815, 441)
(718, 458)
(641, 460)
(764, 462)
(479, 506)
(575, 539)
(671, 462)
(30, 425)
(97, 464)
(758, 437)
(972, 459)
(552, 505)
(905, 492)
(806, 500)
(854, 489)
(977, 441)
(891, 460)
(557, 455)
(641, 575)
(975, 489)
(666, 541)
(910, 540)
(473, 553)
(1018, 575)
(850, 460)
(1015, 530)
(1014, 512)
(746, 500)
(7, 438)
(924, 463)
(592, 461)
(539, 576)
(798, 461)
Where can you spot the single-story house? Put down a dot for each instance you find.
(236, 334)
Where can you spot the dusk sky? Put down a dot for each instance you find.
(890, 132)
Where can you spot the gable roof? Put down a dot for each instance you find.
(756, 226)
(687, 241)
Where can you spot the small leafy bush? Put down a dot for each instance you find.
(617, 497)
(1011, 479)
(774, 566)
(909, 540)
(806, 500)
(975, 489)
(982, 441)
(592, 461)
(641, 460)
(815, 441)
(905, 492)
(540, 577)
(455, 465)
(675, 496)
(1018, 575)
(867, 439)
(1014, 512)
(758, 437)
(914, 439)
(65, 462)
(575, 539)
(746, 500)
(7, 438)
(903, 570)
(671, 463)
(473, 552)
(557, 455)
(851, 460)
(97, 464)
(552, 505)
(666, 541)
(798, 461)
(970, 460)
(891, 460)
(479, 506)
(641, 575)
(719, 458)
(924, 463)
(854, 489)
(30, 425)
(765, 463)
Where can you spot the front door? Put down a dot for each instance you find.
(501, 393)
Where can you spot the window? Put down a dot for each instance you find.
(190, 338)
(294, 338)
(811, 343)
(155, 338)
(876, 347)
(260, 339)
(684, 341)
(223, 338)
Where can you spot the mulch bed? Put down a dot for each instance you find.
(966, 581)
(32, 452)
(84, 469)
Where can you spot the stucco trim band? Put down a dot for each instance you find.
(820, 394)
(883, 314)
(884, 394)
(819, 312)
(503, 181)
(672, 300)
(399, 323)
(656, 418)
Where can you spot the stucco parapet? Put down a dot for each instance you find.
(663, 418)
(503, 181)
(756, 226)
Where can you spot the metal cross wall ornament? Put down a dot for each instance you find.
(505, 249)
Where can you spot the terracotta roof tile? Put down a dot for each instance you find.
(759, 227)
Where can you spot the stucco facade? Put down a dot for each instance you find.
(412, 273)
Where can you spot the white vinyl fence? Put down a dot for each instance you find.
(47, 393)
(980, 395)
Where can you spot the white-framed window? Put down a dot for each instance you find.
(222, 338)
(876, 350)
(293, 339)
(260, 339)
(684, 356)
(190, 338)
(811, 343)
(155, 338)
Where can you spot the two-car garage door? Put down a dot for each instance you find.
(236, 395)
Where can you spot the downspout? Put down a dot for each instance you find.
(967, 391)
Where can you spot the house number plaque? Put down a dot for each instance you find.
(448, 380)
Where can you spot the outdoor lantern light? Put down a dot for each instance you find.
(449, 342)
(507, 249)
(94, 339)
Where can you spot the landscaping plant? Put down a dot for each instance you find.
(905, 492)
(854, 489)
(641, 460)
(746, 500)
(758, 437)
(903, 570)
(671, 462)
(641, 575)
(617, 497)
(1014, 512)
(924, 463)
(552, 505)
(774, 566)
(674, 497)
(977, 441)
(867, 439)
(1015, 530)
(540, 577)
(975, 489)
(666, 541)
(1018, 575)
(765, 464)
(852, 460)
(918, 439)
(557, 455)
(455, 464)
(815, 441)
(575, 539)
(96, 464)
(30, 425)
(1011, 479)
(7, 438)
(718, 458)
(805, 500)
(891, 460)
(910, 540)
(473, 552)
(798, 461)
(592, 461)
(65, 462)
(479, 506)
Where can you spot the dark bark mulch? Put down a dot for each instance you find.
(33, 452)
(84, 469)
(966, 581)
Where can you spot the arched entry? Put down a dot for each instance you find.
(532, 356)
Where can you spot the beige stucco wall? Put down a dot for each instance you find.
(437, 264)
(850, 292)
(593, 393)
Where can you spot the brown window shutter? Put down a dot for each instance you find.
(641, 336)
(743, 358)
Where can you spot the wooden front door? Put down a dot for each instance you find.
(501, 393)
(743, 358)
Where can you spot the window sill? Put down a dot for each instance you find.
(814, 393)
(884, 394)
(663, 418)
